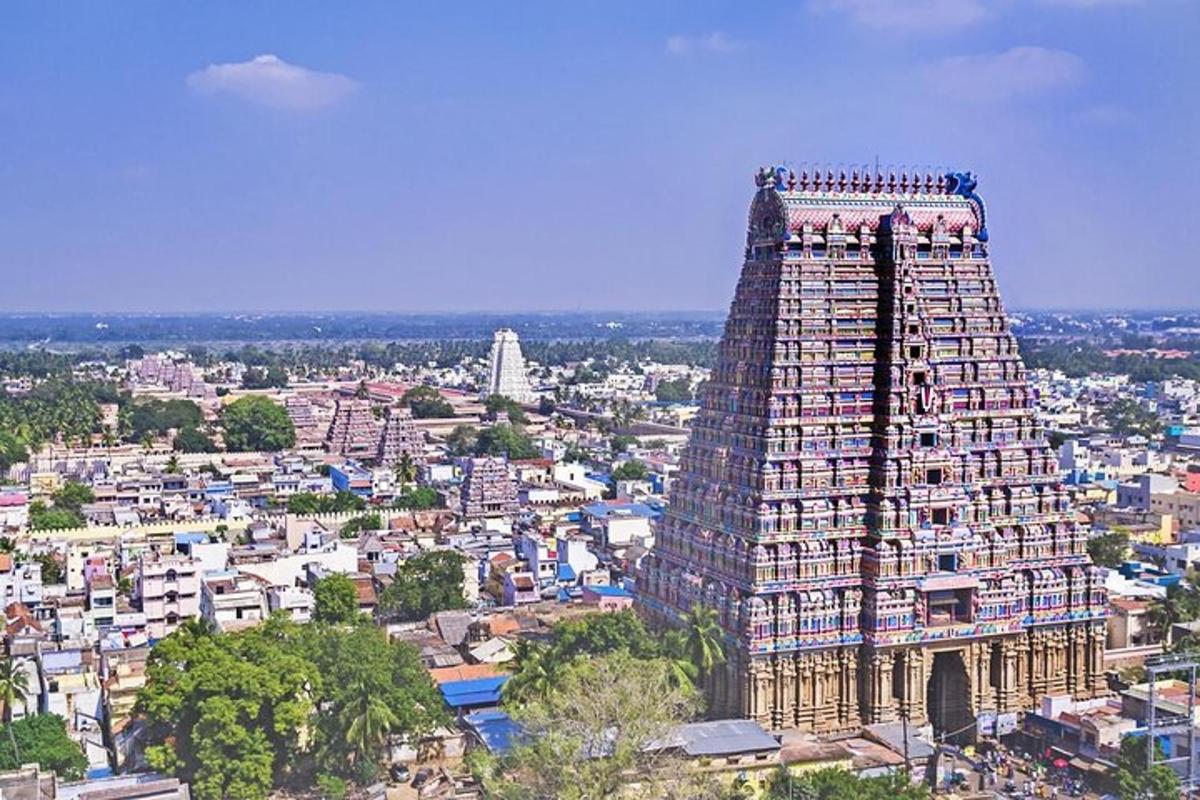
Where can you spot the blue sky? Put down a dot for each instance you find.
(581, 155)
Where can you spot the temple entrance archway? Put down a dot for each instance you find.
(948, 699)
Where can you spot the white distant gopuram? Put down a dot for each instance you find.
(507, 376)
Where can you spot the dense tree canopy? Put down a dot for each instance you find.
(497, 404)
(424, 584)
(42, 739)
(274, 377)
(257, 423)
(310, 503)
(193, 440)
(416, 498)
(838, 784)
(593, 733)
(495, 440)
(427, 403)
(1110, 548)
(1126, 417)
(678, 390)
(336, 600)
(239, 714)
(632, 470)
(362, 523)
(156, 417)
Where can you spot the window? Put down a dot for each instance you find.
(914, 351)
(947, 562)
(941, 516)
(929, 439)
(933, 477)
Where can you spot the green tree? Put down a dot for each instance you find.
(1181, 604)
(462, 440)
(336, 600)
(497, 404)
(257, 423)
(839, 784)
(12, 451)
(427, 403)
(594, 732)
(622, 442)
(423, 585)
(14, 688)
(193, 440)
(705, 639)
(589, 636)
(43, 739)
(505, 440)
(357, 525)
(42, 518)
(52, 568)
(1126, 417)
(1109, 549)
(406, 469)
(156, 417)
(310, 503)
(632, 470)
(72, 496)
(269, 378)
(359, 662)
(368, 720)
(172, 467)
(417, 498)
(1137, 782)
(678, 390)
(229, 712)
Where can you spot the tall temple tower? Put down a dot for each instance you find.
(507, 373)
(400, 437)
(354, 432)
(867, 499)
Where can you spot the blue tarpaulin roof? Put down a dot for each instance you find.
(494, 728)
(566, 572)
(476, 692)
(608, 591)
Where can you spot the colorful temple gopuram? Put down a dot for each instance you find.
(867, 499)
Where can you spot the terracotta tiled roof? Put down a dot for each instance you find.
(464, 672)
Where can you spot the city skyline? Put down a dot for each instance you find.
(155, 159)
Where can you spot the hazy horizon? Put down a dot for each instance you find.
(556, 157)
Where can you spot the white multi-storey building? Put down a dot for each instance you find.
(507, 375)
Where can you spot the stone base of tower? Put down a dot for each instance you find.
(813, 690)
(946, 685)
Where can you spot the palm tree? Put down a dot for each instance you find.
(682, 672)
(368, 721)
(533, 673)
(705, 640)
(406, 469)
(14, 688)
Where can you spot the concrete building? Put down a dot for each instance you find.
(168, 587)
(231, 601)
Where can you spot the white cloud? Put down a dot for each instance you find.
(1000, 76)
(909, 16)
(715, 42)
(271, 81)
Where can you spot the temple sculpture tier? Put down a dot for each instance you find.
(867, 499)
